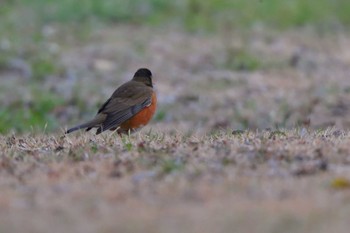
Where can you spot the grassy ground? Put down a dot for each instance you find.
(268, 181)
(251, 131)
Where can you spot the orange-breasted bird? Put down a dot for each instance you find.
(129, 108)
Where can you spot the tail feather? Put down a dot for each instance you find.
(89, 125)
(82, 126)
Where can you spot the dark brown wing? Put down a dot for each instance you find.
(125, 102)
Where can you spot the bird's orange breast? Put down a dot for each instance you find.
(141, 118)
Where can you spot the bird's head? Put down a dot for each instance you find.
(143, 75)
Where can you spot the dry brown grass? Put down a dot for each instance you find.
(163, 181)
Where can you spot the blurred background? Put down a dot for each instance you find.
(230, 64)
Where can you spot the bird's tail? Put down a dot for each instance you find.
(90, 124)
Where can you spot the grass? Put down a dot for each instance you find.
(192, 14)
(36, 50)
(175, 178)
(35, 114)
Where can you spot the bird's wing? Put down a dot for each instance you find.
(125, 102)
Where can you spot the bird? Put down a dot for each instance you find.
(131, 106)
